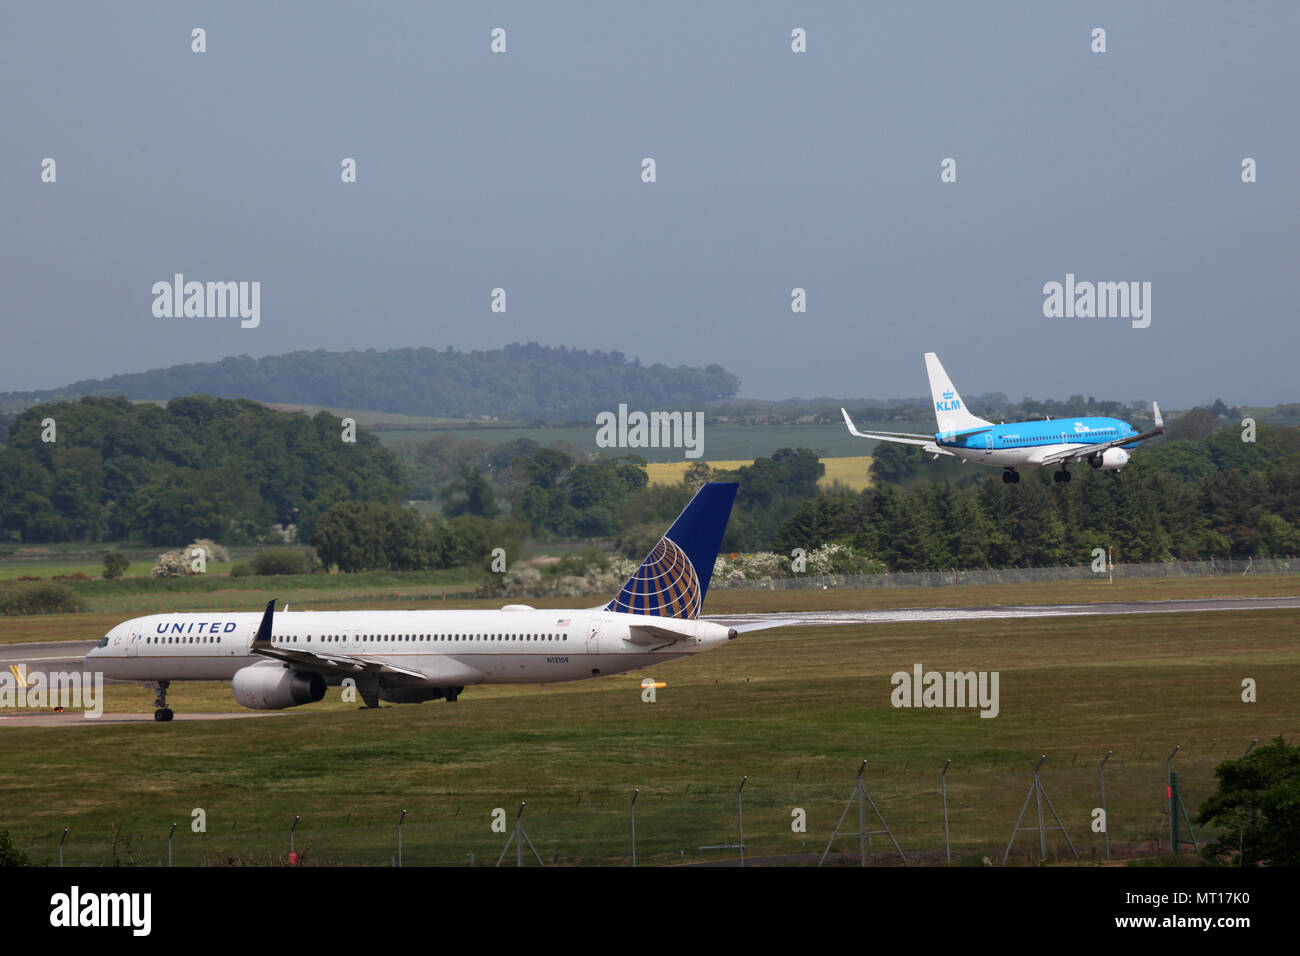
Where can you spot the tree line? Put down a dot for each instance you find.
(102, 469)
(1182, 499)
(238, 472)
(524, 382)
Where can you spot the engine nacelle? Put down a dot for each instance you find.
(274, 686)
(1112, 459)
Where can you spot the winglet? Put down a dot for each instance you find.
(1160, 422)
(848, 421)
(263, 638)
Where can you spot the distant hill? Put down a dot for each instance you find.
(522, 382)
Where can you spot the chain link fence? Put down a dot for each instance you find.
(954, 577)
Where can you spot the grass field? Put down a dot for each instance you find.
(795, 710)
(338, 593)
(854, 473)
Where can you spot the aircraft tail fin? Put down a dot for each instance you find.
(949, 410)
(674, 577)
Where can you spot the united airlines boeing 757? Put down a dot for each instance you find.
(1102, 442)
(282, 660)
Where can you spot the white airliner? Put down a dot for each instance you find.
(282, 660)
(1102, 442)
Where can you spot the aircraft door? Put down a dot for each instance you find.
(133, 642)
(593, 636)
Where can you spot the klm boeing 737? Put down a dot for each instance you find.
(282, 660)
(1103, 443)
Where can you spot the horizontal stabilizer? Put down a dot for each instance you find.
(657, 633)
(764, 625)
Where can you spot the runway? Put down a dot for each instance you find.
(68, 655)
(937, 615)
(77, 718)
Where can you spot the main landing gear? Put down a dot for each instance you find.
(1011, 477)
(161, 711)
(1061, 476)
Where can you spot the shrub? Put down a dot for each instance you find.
(10, 855)
(171, 564)
(211, 550)
(281, 561)
(21, 597)
(115, 564)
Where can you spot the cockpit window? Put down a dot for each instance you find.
(103, 641)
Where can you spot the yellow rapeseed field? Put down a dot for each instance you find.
(852, 472)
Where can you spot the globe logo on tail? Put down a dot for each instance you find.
(665, 585)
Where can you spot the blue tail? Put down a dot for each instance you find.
(674, 577)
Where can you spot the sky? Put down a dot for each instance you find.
(774, 170)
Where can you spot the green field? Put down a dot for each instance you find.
(795, 710)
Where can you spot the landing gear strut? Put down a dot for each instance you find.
(161, 710)
(1010, 477)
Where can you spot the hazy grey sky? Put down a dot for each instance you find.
(775, 170)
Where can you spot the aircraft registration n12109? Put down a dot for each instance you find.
(278, 661)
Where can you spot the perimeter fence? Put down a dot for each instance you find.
(980, 577)
(785, 821)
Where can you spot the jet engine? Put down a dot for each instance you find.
(1112, 459)
(274, 686)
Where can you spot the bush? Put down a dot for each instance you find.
(10, 855)
(281, 561)
(211, 550)
(1256, 808)
(115, 564)
(240, 570)
(172, 564)
(21, 597)
(180, 562)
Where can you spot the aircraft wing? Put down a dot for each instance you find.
(323, 662)
(885, 436)
(903, 438)
(1087, 451)
(336, 664)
